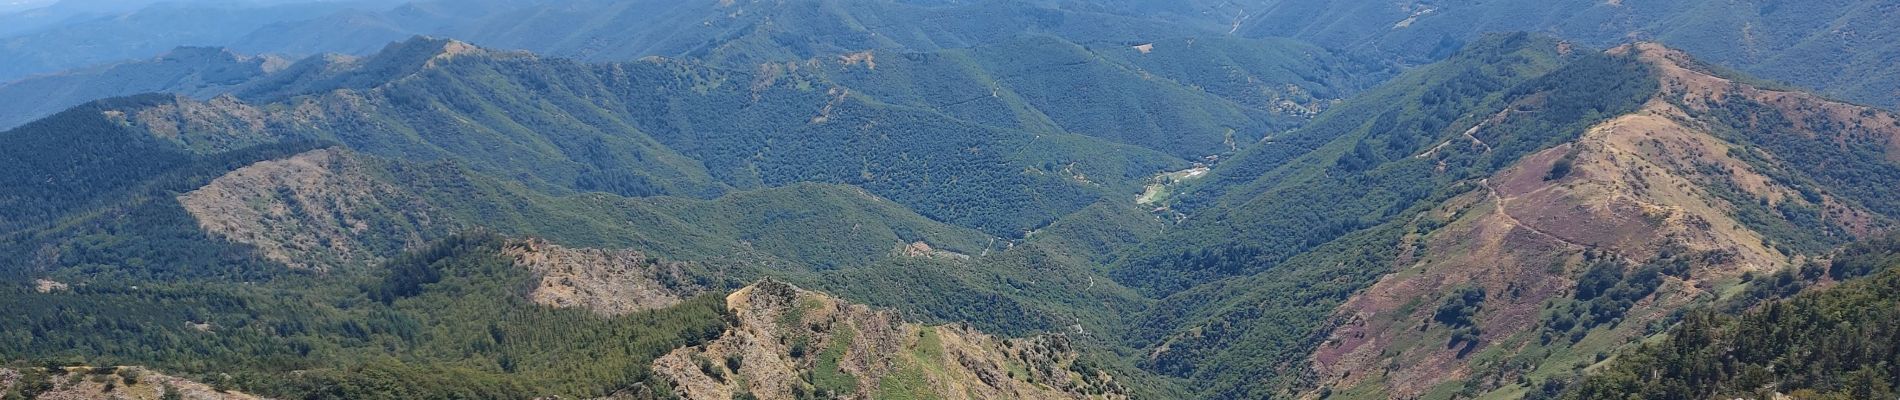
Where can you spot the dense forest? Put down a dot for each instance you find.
(1328, 215)
(446, 321)
(685, 129)
(1832, 342)
(1107, 199)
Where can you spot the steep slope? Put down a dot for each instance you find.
(1499, 215)
(600, 129)
(452, 319)
(790, 343)
(480, 316)
(1260, 197)
(315, 210)
(1512, 273)
(1831, 342)
(1121, 93)
(263, 200)
(1580, 247)
(1276, 237)
(192, 71)
(330, 208)
(607, 282)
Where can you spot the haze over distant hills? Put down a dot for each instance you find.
(873, 199)
(21, 5)
(1780, 43)
(192, 71)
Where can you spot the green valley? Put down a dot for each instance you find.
(948, 199)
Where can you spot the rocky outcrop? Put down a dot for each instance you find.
(923, 250)
(317, 210)
(790, 343)
(109, 383)
(608, 282)
(44, 286)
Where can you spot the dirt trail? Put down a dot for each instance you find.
(1505, 212)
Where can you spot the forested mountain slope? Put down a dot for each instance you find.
(1011, 159)
(755, 31)
(1297, 224)
(664, 128)
(476, 315)
(449, 320)
(1585, 247)
(1525, 203)
(1001, 199)
(1832, 342)
(1191, 97)
(248, 210)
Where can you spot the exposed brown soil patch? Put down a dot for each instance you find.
(82, 383)
(315, 210)
(220, 124)
(1638, 184)
(866, 58)
(1684, 79)
(608, 282)
(924, 250)
(1387, 334)
(44, 286)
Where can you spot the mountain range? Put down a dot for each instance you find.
(1766, 39)
(961, 199)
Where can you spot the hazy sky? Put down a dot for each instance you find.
(8, 6)
(17, 5)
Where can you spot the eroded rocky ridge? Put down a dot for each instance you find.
(791, 343)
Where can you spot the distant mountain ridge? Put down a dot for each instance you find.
(144, 33)
(1574, 206)
(724, 33)
(314, 98)
(191, 71)
(1836, 47)
(1099, 199)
